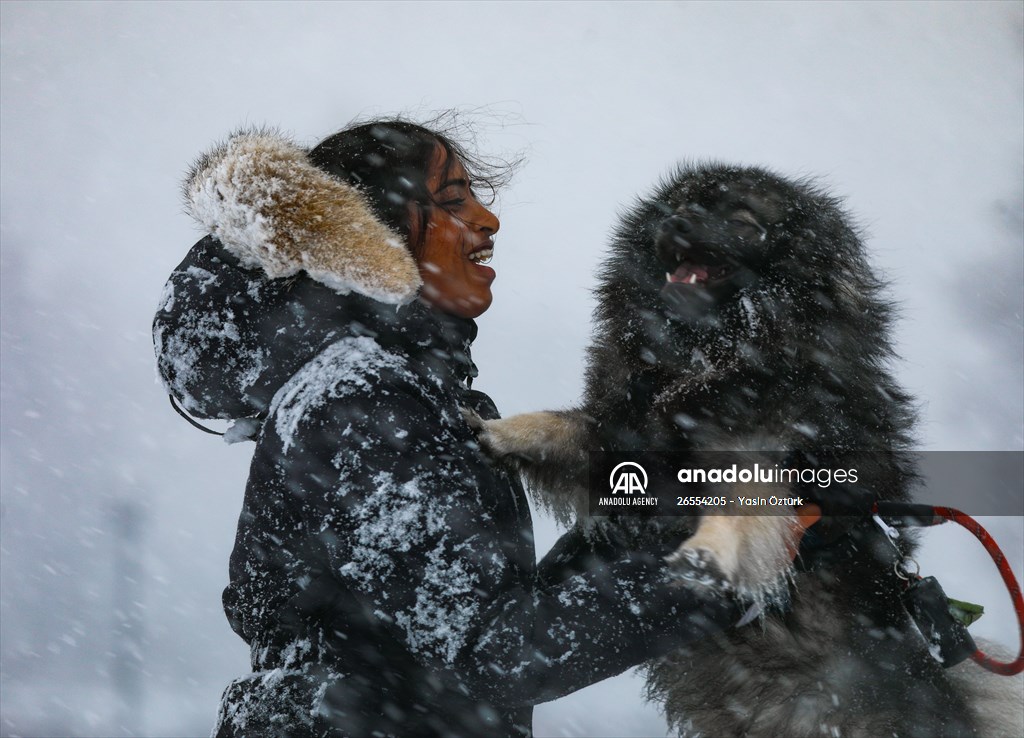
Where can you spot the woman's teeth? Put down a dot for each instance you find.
(481, 257)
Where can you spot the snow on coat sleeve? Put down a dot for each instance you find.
(404, 511)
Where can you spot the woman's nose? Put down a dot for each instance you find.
(485, 220)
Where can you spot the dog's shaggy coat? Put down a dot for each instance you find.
(737, 313)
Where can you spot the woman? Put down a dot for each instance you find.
(384, 571)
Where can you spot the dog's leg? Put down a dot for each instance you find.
(538, 438)
(740, 550)
(550, 448)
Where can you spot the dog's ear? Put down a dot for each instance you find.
(812, 256)
(805, 241)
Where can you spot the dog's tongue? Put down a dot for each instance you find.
(689, 273)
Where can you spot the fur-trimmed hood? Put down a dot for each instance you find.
(296, 261)
(272, 209)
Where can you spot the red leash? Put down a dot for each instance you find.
(1012, 586)
(924, 515)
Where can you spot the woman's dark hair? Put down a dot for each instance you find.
(388, 161)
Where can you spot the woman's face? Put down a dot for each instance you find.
(458, 238)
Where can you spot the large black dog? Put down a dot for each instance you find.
(737, 314)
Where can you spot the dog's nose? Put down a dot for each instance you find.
(677, 223)
(671, 241)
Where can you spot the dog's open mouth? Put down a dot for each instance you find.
(689, 272)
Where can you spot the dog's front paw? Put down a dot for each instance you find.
(491, 435)
(700, 568)
(473, 420)
(745, 554)
(530, 437)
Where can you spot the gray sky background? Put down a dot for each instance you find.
(912, 111)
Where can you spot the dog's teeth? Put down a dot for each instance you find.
(668, 276)
(692, 279)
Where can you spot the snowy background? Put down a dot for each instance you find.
(117, 517)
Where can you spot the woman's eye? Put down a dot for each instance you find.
(458, 202)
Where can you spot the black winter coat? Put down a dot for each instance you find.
(384, 572)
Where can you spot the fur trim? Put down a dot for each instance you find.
(269, 206)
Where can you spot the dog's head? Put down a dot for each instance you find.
(714, 243)
(726, 260)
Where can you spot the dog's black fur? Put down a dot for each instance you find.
(782, 344)
(791, 347)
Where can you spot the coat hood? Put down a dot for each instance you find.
(295, 262)
(272, 209)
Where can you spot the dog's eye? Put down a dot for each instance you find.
(746, 224)
(746, 227)
(745, 219)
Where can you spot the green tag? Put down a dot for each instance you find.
(965, 612)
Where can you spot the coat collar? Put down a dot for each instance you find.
(440, 340)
